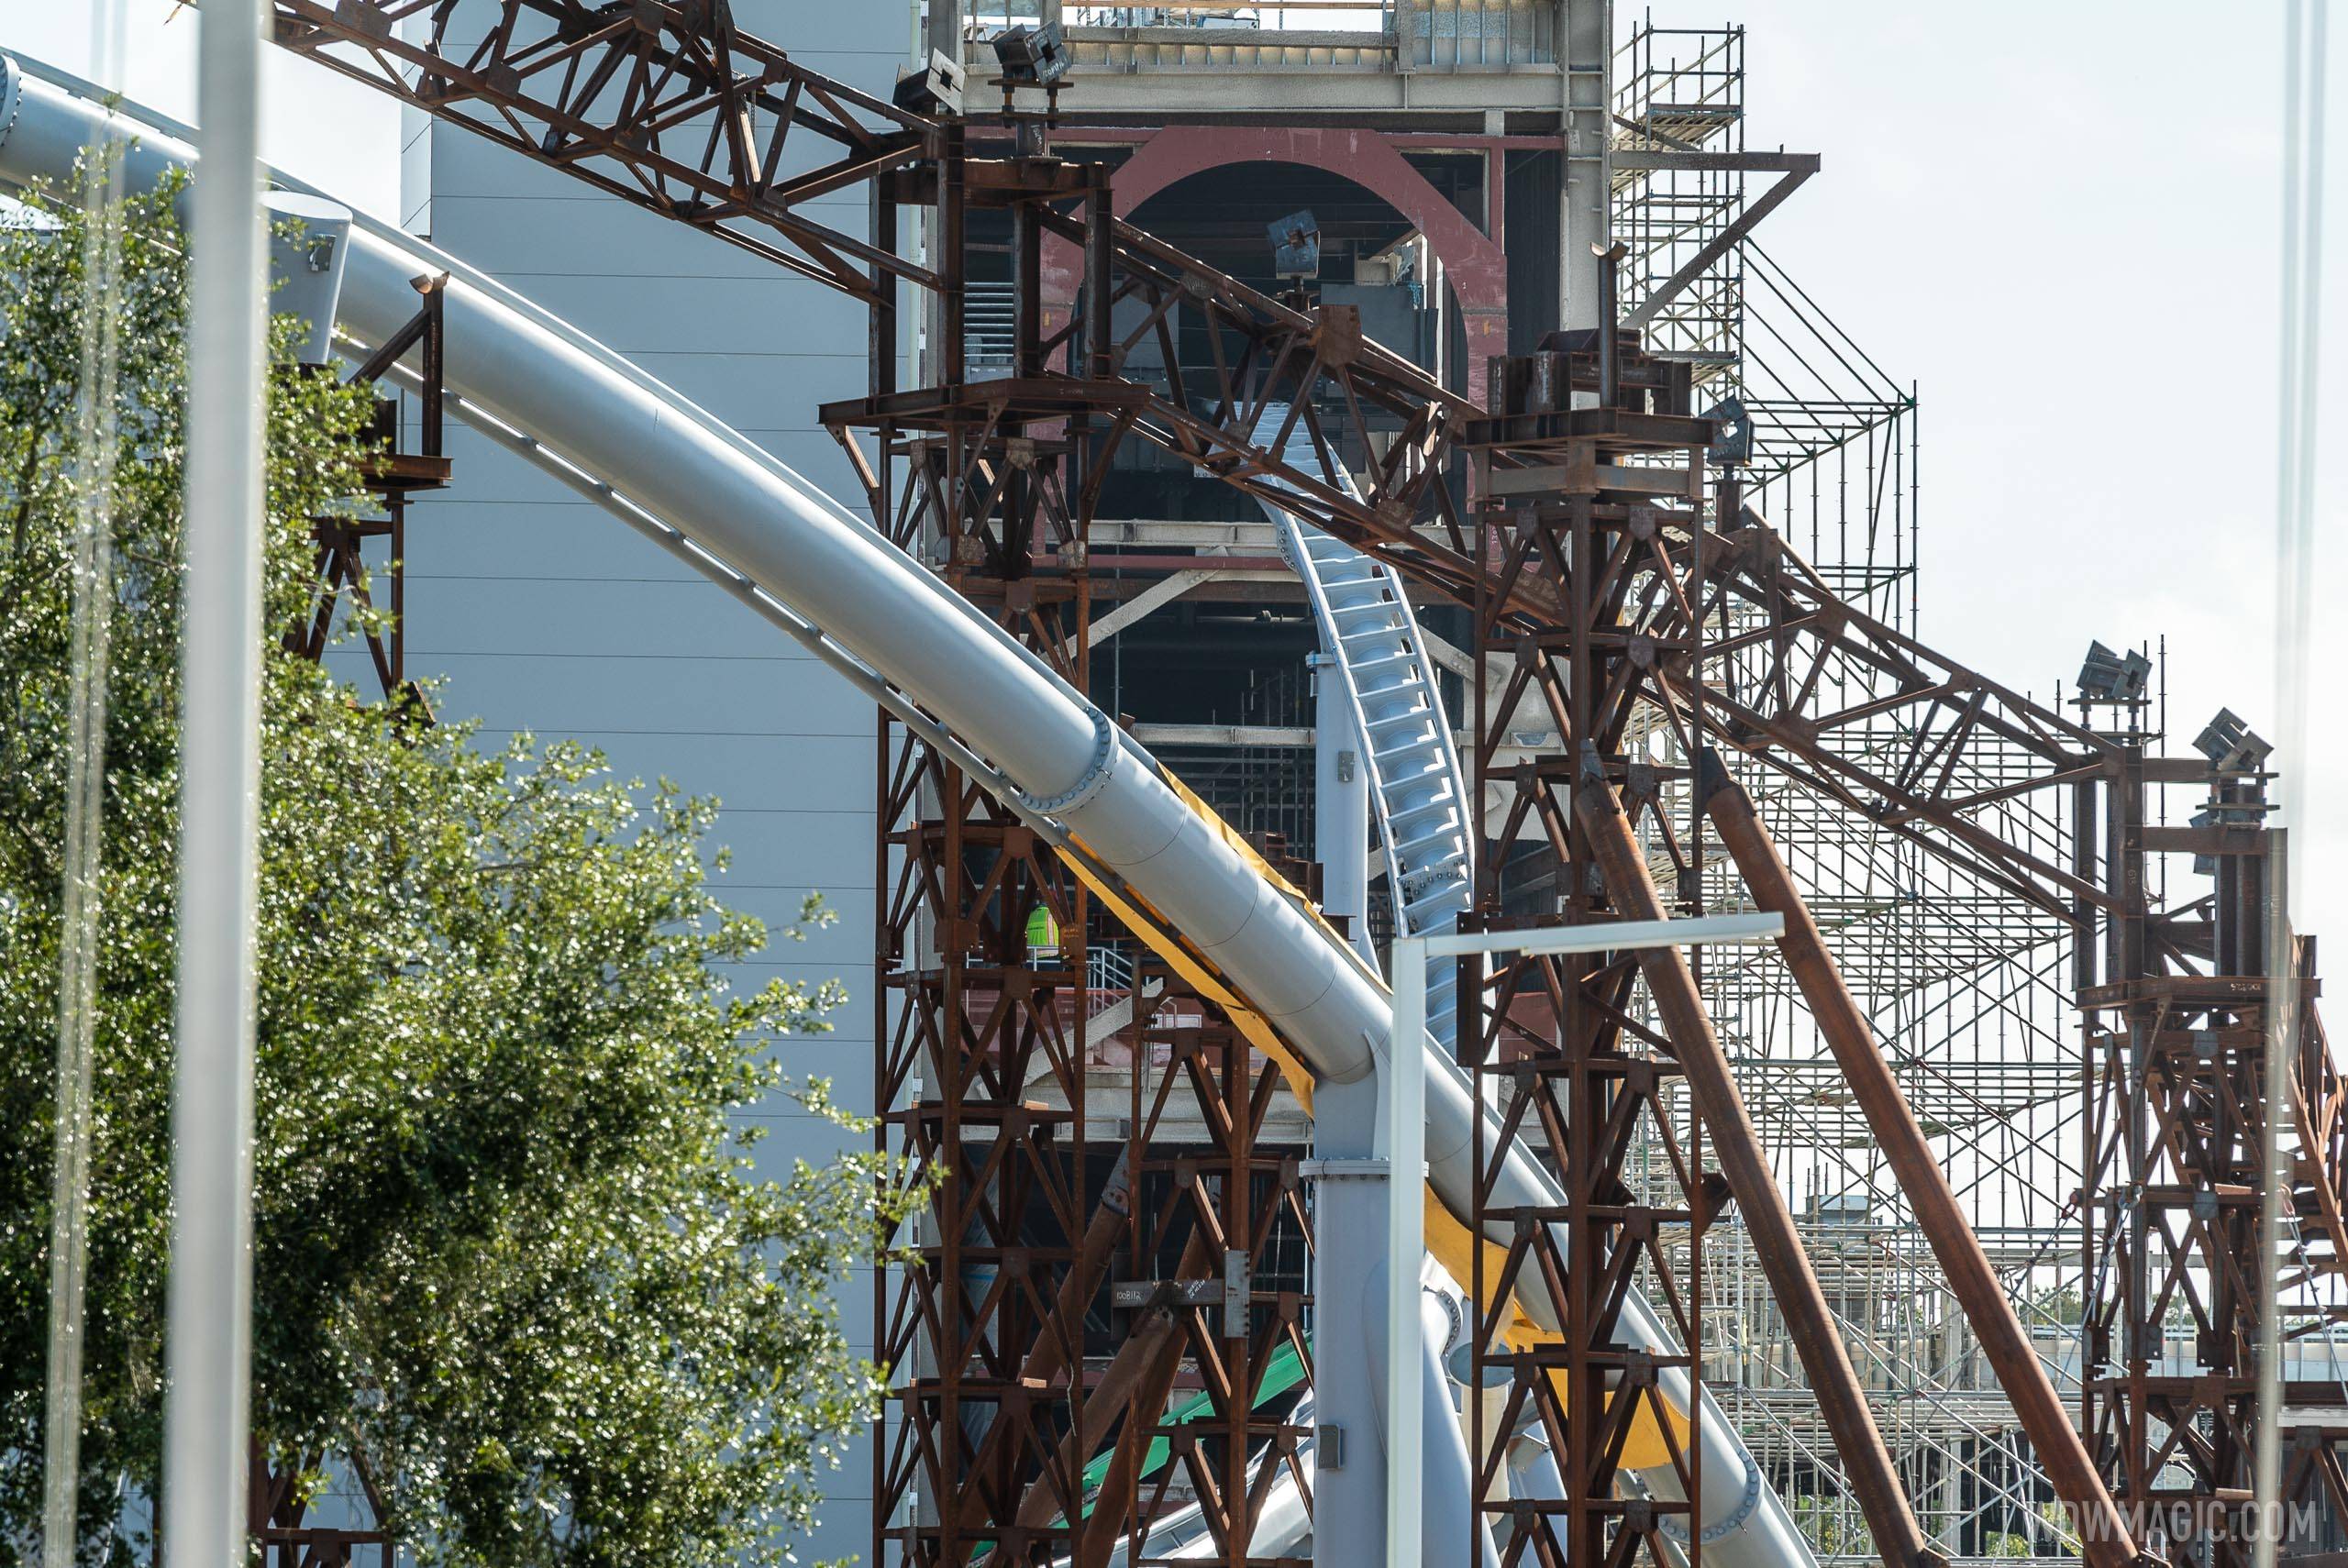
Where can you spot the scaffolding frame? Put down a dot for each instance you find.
(1966, 984)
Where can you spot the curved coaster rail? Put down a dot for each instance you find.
(1416, 790)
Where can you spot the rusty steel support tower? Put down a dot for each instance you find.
(1223, 1204)
(394, 470)
(1555, 1042)
(2177, 1004)
(1589, 548)
(982, 1024)
(1593, 476)
(981, 940)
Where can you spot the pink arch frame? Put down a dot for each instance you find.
(1473, 261)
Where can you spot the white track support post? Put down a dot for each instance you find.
(1406, 1246)
(209, 1342)
(1404, 1133)
(1341, 803)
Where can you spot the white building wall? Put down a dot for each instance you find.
(542, 612)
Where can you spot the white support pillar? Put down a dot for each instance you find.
(1584, 220)
(1341, 806)
(1404, 1136)
(1349, 1206)
(208, 1343)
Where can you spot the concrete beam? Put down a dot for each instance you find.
(1256, 538)
(1285, 736)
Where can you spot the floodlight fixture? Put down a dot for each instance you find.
(932, 89)
(2109, 676)
(1733, 442)
(2231, 745)
(1032, 54)
(1296, 245)
(2205, 865)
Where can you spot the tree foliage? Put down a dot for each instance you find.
(513, 1264)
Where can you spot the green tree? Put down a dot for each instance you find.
(512, 1265)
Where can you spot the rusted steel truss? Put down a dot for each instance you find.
(669, 105)
(2176, 1020)
(993, 485)
(1937, 752)
(1594, 576)
(993, 1406)
(392, 474)
(969, 1018)
(1199, 1099)
(277, 1511)
(1558, 1043)
(1608, 505)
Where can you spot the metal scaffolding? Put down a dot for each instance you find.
(1966, 984)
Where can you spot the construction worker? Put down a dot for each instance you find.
(1043, 937)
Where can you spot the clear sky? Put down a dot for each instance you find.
(2059, 220)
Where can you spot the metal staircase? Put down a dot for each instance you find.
(1417, 797)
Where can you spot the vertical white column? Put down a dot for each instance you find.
(2306, 72)
(1406, 1142)
(209, 1345)
(1340, 804)
(1586, 221)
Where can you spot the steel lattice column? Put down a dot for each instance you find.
(1224, 1204)
(982, 1044)
(1607, 504)
(1557, 1042)
(2178, 1113)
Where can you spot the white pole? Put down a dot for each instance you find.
(2304, 64)
(1341, 804)
(1406, 1142)
(1404, 1134)
(209, 1344)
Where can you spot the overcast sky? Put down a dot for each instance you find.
(2062, 222)
(2059, 220)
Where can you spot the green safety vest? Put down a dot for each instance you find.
(1042, 930)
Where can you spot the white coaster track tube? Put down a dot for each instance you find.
(747, 517)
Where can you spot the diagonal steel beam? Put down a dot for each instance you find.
(2104, 1537)
(1800, 168)
(1793, 1282)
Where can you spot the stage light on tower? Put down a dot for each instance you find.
(1296, 245)
(2109, 676)
(932, 89)
(1032, 54)
(2231, 745)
